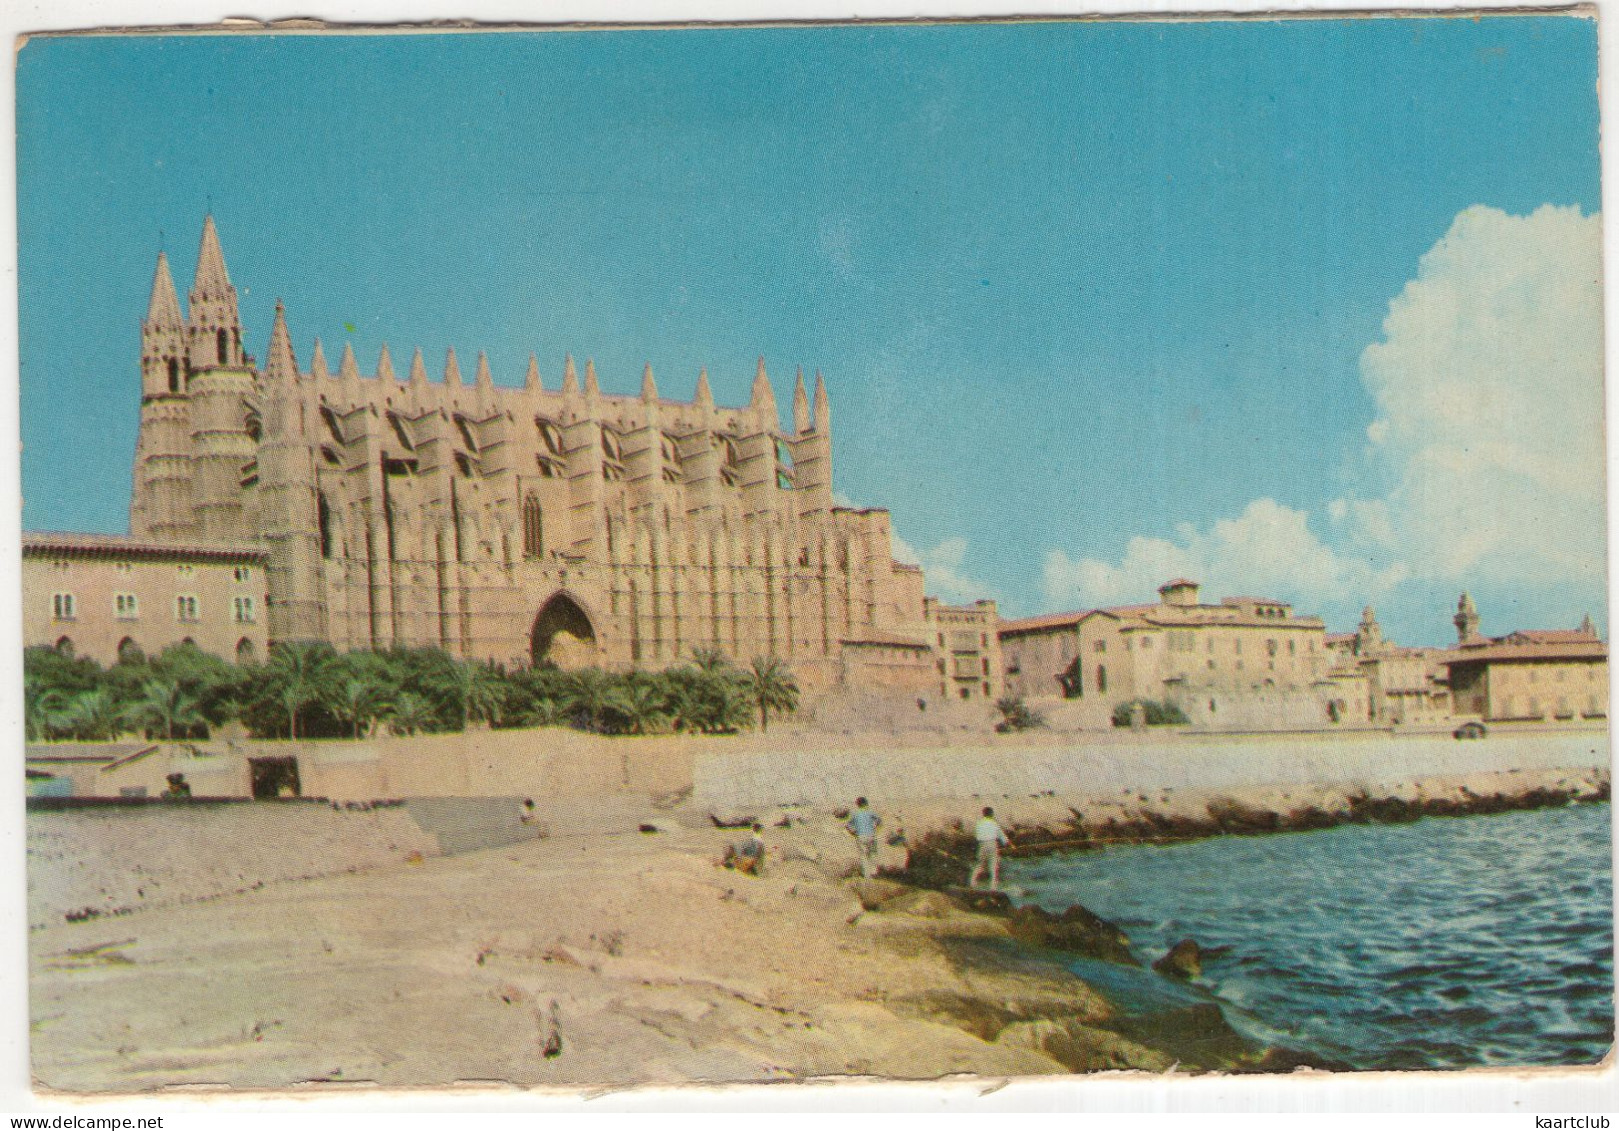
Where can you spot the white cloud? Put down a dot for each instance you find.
(1488, 386)
(1268, 550)
(941, 566)
(1488, 443)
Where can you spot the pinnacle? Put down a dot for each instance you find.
(531, 379)
(801, 408)
(762, 394)
(483, 377)
(317, 363)
(348, 369)
(704, 397)
(570, 378)
(282, 366)
(385, 365)
(164, 309)
(418, 371)
(592, 389)
(452, 369)
(212, 280)
(649, 387)
(823, 405)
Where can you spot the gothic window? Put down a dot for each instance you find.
(533, 528)
(124, 606)
(186, 608)
(63, 606)
(174, 375)
(253, 426)
(242, 611)
(224, 347)
(324, 517)
(129, 652)
(64, 646)
(245, 652)
(242, 573)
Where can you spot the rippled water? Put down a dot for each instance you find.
(1446, 943)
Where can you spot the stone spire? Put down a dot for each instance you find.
(452, 369)
(485, 380)
(763, 399)
(649, 387)
(347, 368)
(1465, 620)
(1369, 635)
(212, 280)
(164, 309)
(531, 379)
(1587, 627)
(317, 363)
(704, 397)
(823, 406)
(801, 408)
(570, 378)
(282, 365)
(418, 369)
(592, 389)
(385, 365)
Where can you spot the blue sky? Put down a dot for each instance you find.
(1071, 285)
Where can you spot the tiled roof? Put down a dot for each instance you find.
(1036, 624)
(51, 542)
(1585, 649)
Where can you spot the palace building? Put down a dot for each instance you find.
(518, 525)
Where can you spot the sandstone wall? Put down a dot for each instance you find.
(824, 776)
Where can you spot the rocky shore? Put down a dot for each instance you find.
(620, 958)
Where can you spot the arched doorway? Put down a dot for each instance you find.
(245, 653)
(563, 634)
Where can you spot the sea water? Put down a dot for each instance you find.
(1446, 943)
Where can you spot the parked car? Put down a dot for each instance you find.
(1470, 730)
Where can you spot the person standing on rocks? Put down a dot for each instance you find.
(863, 823)
(990, 837)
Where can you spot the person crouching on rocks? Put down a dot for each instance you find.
(863, 823)
(990, 837)
(749, 856)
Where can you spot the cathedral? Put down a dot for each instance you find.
(525, 525)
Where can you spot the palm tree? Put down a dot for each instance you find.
(591, 695)
(93, 715)
(297, 672)
(356, 700)
(411, 713)
(770, 685)
(640, 700)
(709, 660)
(43, 708)
(165, 705)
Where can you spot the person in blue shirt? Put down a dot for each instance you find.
(863, 823)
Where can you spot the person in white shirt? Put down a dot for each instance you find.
(990, 837)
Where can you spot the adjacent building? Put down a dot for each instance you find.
(1537, 675)
(108, 597)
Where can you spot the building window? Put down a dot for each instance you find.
(242, 610)
(185, 608)
(224, 347)
(64, 647)
(323, 519)
(124, 606)
(245, 653)
(533, 528)
(242, 573)
(174, 375)
(1101, 679)
(63, 606)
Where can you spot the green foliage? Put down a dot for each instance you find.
(1017, 715)
(1157, 714)
(307, 690)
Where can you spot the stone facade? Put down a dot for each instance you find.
(100, 596)
(1546, 675)
(527, 524)
(1248, 663)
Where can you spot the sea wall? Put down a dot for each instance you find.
(94, 860)
(816, 775)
